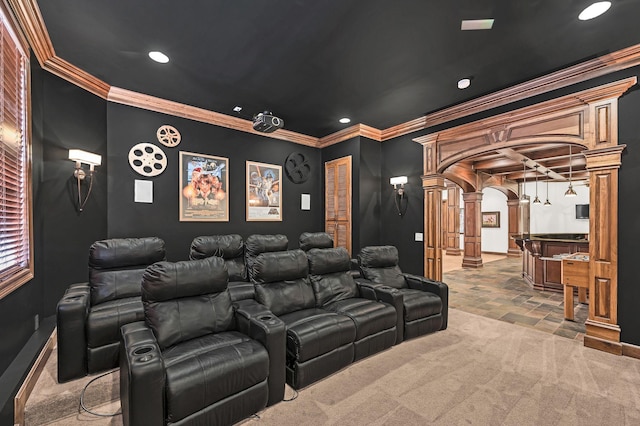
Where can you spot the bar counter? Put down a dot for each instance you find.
(542, 257)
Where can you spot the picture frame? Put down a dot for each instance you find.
(264, 192)
(491, 219)
(204, 188)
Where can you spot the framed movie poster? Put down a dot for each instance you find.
(491, 219)
(204, 187)
(264, 192)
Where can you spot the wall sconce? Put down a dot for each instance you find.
(399, 193)
(80, 156)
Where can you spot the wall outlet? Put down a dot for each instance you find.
(419, 236)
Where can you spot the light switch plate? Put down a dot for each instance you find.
(419, 236)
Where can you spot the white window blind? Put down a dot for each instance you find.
(15, 250)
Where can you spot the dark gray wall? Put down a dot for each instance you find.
(369, 197)
(129, 126)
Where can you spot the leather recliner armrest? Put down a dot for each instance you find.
(72, 312)
(142, 376)
(385, 294)
(432, 286)
(270, 331)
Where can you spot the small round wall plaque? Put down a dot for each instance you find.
(297, 167)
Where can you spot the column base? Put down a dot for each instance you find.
(515, 252)
(472, 262)
(603, 337)
(453, 252)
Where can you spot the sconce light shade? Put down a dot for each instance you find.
(399, 193)
(398, 180)
(81, 156)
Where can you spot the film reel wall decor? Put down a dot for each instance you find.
(168, 136)
(147, 159)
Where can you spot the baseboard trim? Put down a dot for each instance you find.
(614, 348)
(630, 350)
(20, 400)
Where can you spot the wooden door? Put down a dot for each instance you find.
(337, 184)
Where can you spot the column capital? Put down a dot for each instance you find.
(604, 158)
(433, 182)
(472, 196)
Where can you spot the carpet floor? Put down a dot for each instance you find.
(479, 371)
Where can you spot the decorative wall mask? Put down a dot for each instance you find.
(297, 167)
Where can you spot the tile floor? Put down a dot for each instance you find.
(498, 291)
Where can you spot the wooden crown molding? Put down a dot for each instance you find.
(350, 132)
(128, 97)
(597, 67)
(30, 19)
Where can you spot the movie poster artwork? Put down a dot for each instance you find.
(204, 187)
(264, 192)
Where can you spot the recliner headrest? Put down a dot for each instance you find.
(329, 260)
(225, 246)
(280, 266)
(126, 252)
(378, 256)
(256, 244)
(173, 280)
(309, 240)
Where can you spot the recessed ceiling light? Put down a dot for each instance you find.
(595, 10)
(464, 83)
(345, 120)
(159, 57)
(476, 24)
(237, 108)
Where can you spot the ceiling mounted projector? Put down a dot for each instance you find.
(266, 122)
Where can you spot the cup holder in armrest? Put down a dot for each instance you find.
(143, 353)
(265, 317)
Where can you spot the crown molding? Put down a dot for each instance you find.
(30, 19)
(597, 67)
(350, 132)
(140, 100)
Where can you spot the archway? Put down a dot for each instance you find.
(586, 119)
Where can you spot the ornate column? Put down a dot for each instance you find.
(453, 219)
(433, 186)
(603, 331)
(472, 230)
(514, 227)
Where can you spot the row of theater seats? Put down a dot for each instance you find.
(220, 334)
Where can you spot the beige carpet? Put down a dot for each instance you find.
(480, 371)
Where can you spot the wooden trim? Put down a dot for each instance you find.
(630, 350)
(348, 133)
(603, 345)
(20, 400)
(140, 100)
(63, 69)
(28, 15)
(606, 64)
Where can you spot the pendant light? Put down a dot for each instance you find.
(536, 200)
(547, 203)
(570, 192)
(523, 197)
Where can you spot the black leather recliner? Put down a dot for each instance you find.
(256, 244)
(319, 342)
(188, 363)
(422, 304)
(231, 249)
(309, 240)
(89, 315)
(336, 291)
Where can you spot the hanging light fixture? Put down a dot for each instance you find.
(547, 203)
(523, 197)
(536, 200)
(570, 192)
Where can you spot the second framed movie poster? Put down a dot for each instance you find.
(204, 186)
(264, 192)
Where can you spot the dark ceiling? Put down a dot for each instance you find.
(381, 63)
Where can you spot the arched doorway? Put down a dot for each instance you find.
(586, 119)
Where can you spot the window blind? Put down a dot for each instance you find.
(15, 259)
